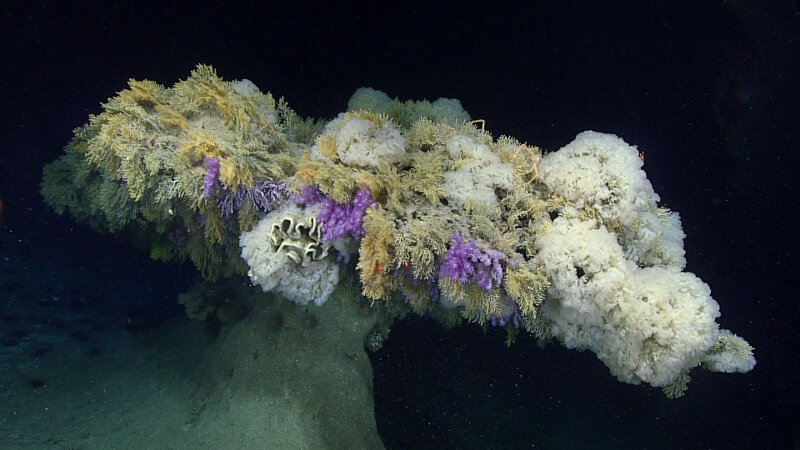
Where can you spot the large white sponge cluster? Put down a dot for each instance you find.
(478, 177)
(646, 325)
(615, 261)
(284, 255)
(602, 173)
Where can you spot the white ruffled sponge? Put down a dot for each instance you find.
(285, 254)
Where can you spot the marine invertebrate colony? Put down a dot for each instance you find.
(339, 219)
(464, 263)
(440, 217)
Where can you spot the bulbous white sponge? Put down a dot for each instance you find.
(646, 325)
(361, 143)
(729, 354)
(601, 172)
(477, 179)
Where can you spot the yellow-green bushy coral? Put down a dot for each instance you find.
(419, 248)
(426, 176)
(475, 303)
(141, 164)
(148, 133)
(72, 183)
(298, 129)
(337, 182)
(375, 255)
(527, 287)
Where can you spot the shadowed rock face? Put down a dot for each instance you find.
(295, 385)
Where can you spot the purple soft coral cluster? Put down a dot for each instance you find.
(465, 263)
(211, 182)
(261, 196)
(338, 219)
(310, 195)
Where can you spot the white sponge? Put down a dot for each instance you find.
(655, 239)
(299, 276)
(646, 325)
(448, 110)
(359, 142)
(369, 99)
(600, 171)
(477, 179)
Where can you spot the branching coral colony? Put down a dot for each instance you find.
(430, 212)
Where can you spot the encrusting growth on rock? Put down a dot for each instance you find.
(410, 204)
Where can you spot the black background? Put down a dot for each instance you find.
(708, 90)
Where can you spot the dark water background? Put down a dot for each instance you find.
(709, 91)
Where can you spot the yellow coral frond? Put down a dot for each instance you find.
(385, 185)
(377, 118)
(233, 175)
(307, 170)
(205, 87)
(426, 176)
(204, 73)
(479, 305)
(426, 134)
(337, 182)
(199, 145)
(374, 255)
(327, 145)
(418, 248)
(342, 186)
(418, 295)
(172, 117)
(451, 290)
(214, 229)
(375, 185)
(506, 147)
(146, 91)
(527, 288)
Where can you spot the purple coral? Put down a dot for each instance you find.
(465, 263)
(457, 263)
(211, 182)
(261, 196)
(338, 219)
(309, 195)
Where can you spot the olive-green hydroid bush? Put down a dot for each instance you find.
(409, 205)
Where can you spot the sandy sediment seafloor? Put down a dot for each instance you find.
(283, 377)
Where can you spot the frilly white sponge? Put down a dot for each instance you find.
(286, 254)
